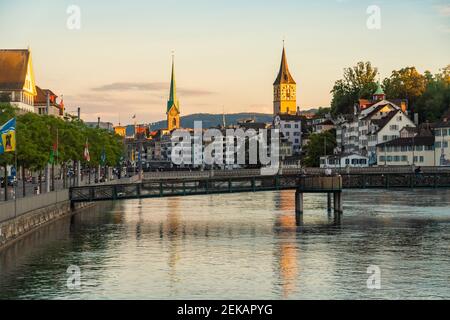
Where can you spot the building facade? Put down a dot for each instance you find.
(17, 82)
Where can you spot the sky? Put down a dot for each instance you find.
(227, 52)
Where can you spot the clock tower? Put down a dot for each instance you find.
(284, 90)
(173, 105)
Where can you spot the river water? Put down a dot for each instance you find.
(240, 246)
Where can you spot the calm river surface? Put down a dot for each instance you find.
(242, 246)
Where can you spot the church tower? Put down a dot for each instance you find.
(284, 90)
(173, 105)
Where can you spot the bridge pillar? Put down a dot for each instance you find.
(329, 202)
(338, 207)
(298, 203)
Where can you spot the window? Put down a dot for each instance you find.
(382, 158)
(385, 138)
(421, 158)
(287, 125)
(399, 118)
(397, 158)
(437, 144)
(296, 126)
(445, 144)
(393, 127)
(404, 158)
(438, 132)
(404, 148)
(415, 159)
(419, 148)
(389, 158)
(444, 132)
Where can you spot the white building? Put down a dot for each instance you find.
(344, 160)
(442, 142)
(415, 151)
(290, 127)
(376, 123)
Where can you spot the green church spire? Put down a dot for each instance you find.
(173, 101)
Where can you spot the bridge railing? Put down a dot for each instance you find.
(320, 183)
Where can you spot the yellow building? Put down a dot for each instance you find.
(284, 90)
(173, 105)
(120, 130)
(17, 81)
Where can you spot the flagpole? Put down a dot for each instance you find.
(15, 165)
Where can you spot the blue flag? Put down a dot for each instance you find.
(8, 136)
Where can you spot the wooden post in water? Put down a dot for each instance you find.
(329, 202)
(298, 203)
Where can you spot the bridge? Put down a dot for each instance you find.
(175, 184)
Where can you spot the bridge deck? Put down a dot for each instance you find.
(193, 186)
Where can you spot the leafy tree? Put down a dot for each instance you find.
(435, 100)
(358, 83)
(406, 83)
(322, 112)
(320, 144)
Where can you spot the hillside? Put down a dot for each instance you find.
(213, 120)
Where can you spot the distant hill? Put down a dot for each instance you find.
(213, 120)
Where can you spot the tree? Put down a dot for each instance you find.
(320, 144)
(406, 83)
(322, 112)
(435, 100)
(358, 83)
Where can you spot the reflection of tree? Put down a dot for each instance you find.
(58, 240)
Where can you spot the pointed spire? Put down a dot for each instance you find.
(284, 76)
(380, 90)
(173, 88)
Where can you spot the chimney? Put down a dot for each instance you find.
(416, 119)
(98, 122)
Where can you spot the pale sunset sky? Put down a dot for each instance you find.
(227, 52)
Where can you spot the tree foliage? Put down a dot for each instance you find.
(36, 135)
(359, 82)
(406, 83)
(320, 144)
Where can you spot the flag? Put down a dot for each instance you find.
(8, 136)
(61, 107)
(103, 156)
(86, 152)
(53, 153)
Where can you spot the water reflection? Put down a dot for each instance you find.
(240, 246)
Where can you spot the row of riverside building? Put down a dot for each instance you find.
(380, 132)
